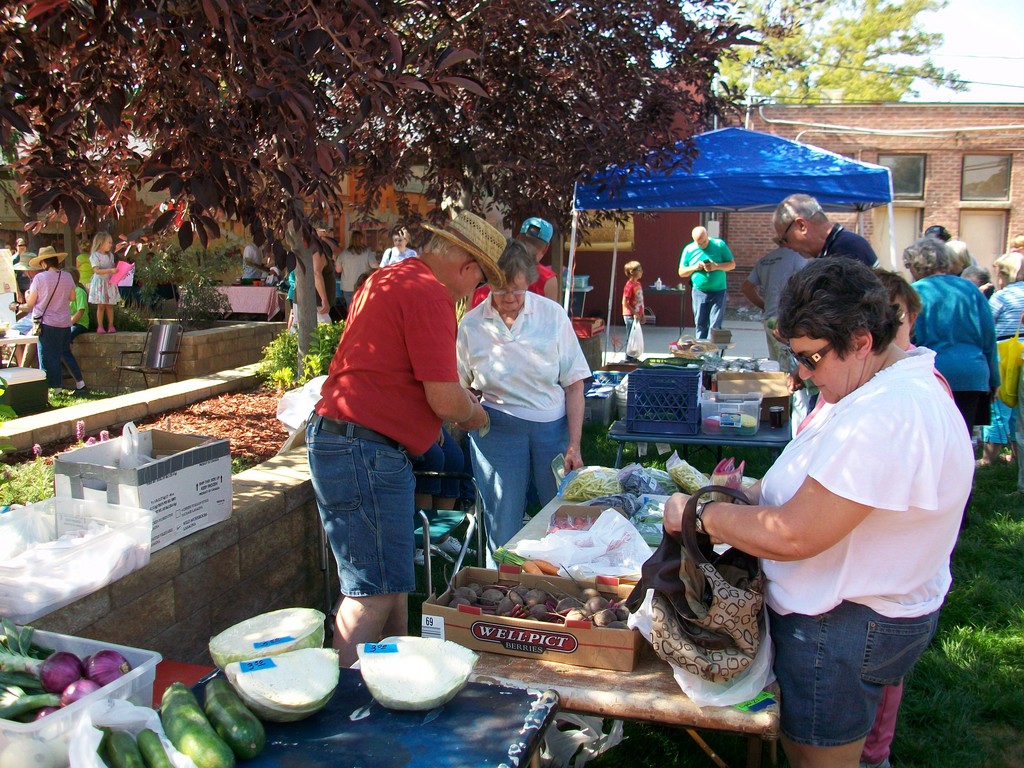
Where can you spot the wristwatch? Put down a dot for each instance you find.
(699, 515)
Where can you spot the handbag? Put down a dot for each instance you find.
(708, 609)
(37, 320)
(1010, 351)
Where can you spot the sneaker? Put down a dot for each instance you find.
(111, 329)
(451, 547)
(100, 330)
(417, 559)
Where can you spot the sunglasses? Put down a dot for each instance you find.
(781, 241)
(810, 361)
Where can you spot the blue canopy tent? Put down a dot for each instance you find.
(734, 170)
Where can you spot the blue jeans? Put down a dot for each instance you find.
(364, 491)
(502, 462)
(447, 457)
(708, 311)
(54, 346)
(833, 668)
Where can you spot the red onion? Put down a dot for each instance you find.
(59, 670)
(77, 690)
(46, 711)
(104, 667)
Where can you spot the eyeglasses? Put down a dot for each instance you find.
(810, 362)
(781, 241)
(509, 292)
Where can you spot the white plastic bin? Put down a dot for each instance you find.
(46, 740)
(58, 550)
(730, 414)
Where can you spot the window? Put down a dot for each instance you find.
(986, 177)
(907, 175)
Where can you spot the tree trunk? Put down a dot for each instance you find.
(305, 303)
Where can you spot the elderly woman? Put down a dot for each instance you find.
(955, 323)
(856, 520)
(48, 299)
(519, 351)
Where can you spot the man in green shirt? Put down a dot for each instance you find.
(705, 261)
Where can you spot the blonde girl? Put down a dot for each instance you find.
(101, 292)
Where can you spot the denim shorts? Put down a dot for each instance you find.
(364, 491)
(832, 668)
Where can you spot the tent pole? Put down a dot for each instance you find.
(892, 237)
(571, 268)
(611, 291)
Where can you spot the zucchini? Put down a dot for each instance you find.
(152, 750)
(232, 720)
(122, 752)
(189, 730)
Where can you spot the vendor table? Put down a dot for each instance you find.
(252, 299)
(774, 439)
(649, 693)
(9, 346)
(681, 292)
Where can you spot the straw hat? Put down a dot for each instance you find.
(46, 252)
(483, 242)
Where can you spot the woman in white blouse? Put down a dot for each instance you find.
(519, 351)
(399, 250)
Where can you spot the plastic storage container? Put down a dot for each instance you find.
(730, 414)
(664, 400)
(58, 550)
(47, 740)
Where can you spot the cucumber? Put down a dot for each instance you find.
(122, 752)
(189, 730)
(152, 750)
(232, 720)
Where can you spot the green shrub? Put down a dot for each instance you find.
(280, 357)
(26, 483)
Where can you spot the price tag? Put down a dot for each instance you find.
(275, 641)
(763, 700)
(256, 665)
(432, 626)
(380, 648)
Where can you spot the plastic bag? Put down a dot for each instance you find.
(121, 716)
(589, 483)
(611, 547)
(132, 455)
(295, 405)
(627, 502)
(581, 736)
(703, 693)
(635, 340)
(688, 478)
(728, 474)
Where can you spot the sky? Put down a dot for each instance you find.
(983, 44)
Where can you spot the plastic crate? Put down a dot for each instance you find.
(46, 740)
(664, 401)
(730, 414)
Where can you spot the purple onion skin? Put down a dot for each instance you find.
(60, 670)
(46, 711)
(104, 667)
(77, 690)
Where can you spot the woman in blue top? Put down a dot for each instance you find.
(1007, 306)
(955, 323)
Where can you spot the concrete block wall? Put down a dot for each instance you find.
(202, 352)
(264, 557)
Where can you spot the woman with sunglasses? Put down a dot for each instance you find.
(519, 351)
(856, 520)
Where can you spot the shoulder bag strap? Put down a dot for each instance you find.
(49, 298)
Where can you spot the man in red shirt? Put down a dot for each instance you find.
(391, 384)
(536, 235)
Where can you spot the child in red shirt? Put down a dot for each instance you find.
(633, 297)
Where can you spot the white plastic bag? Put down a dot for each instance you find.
(635, 340)
(611, 547)
(703, 693)
(119, 715)
(581, 736)
(132, 455)
(295, 405)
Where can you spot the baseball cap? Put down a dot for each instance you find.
(538, 228)
(938, 231)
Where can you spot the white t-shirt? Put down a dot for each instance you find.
(353, 264)
(393, 256)
(898, 444)
(521, 371)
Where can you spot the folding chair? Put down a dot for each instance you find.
(435, 526)
(159, 354)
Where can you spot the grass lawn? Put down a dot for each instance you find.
(964, 702)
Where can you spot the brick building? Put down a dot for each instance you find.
(958, 165)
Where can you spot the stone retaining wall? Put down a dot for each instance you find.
(266, 556)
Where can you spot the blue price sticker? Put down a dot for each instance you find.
(256, 665)
(275, 641)
(763, 700)
(380, 648)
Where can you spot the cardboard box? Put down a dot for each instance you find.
(585, 327)
(577, 643)
(773, 387)
(187, 487)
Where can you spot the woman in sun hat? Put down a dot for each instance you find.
(391, 384)
(48, 299)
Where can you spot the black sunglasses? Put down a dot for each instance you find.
(810, 361)
(781, 241)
